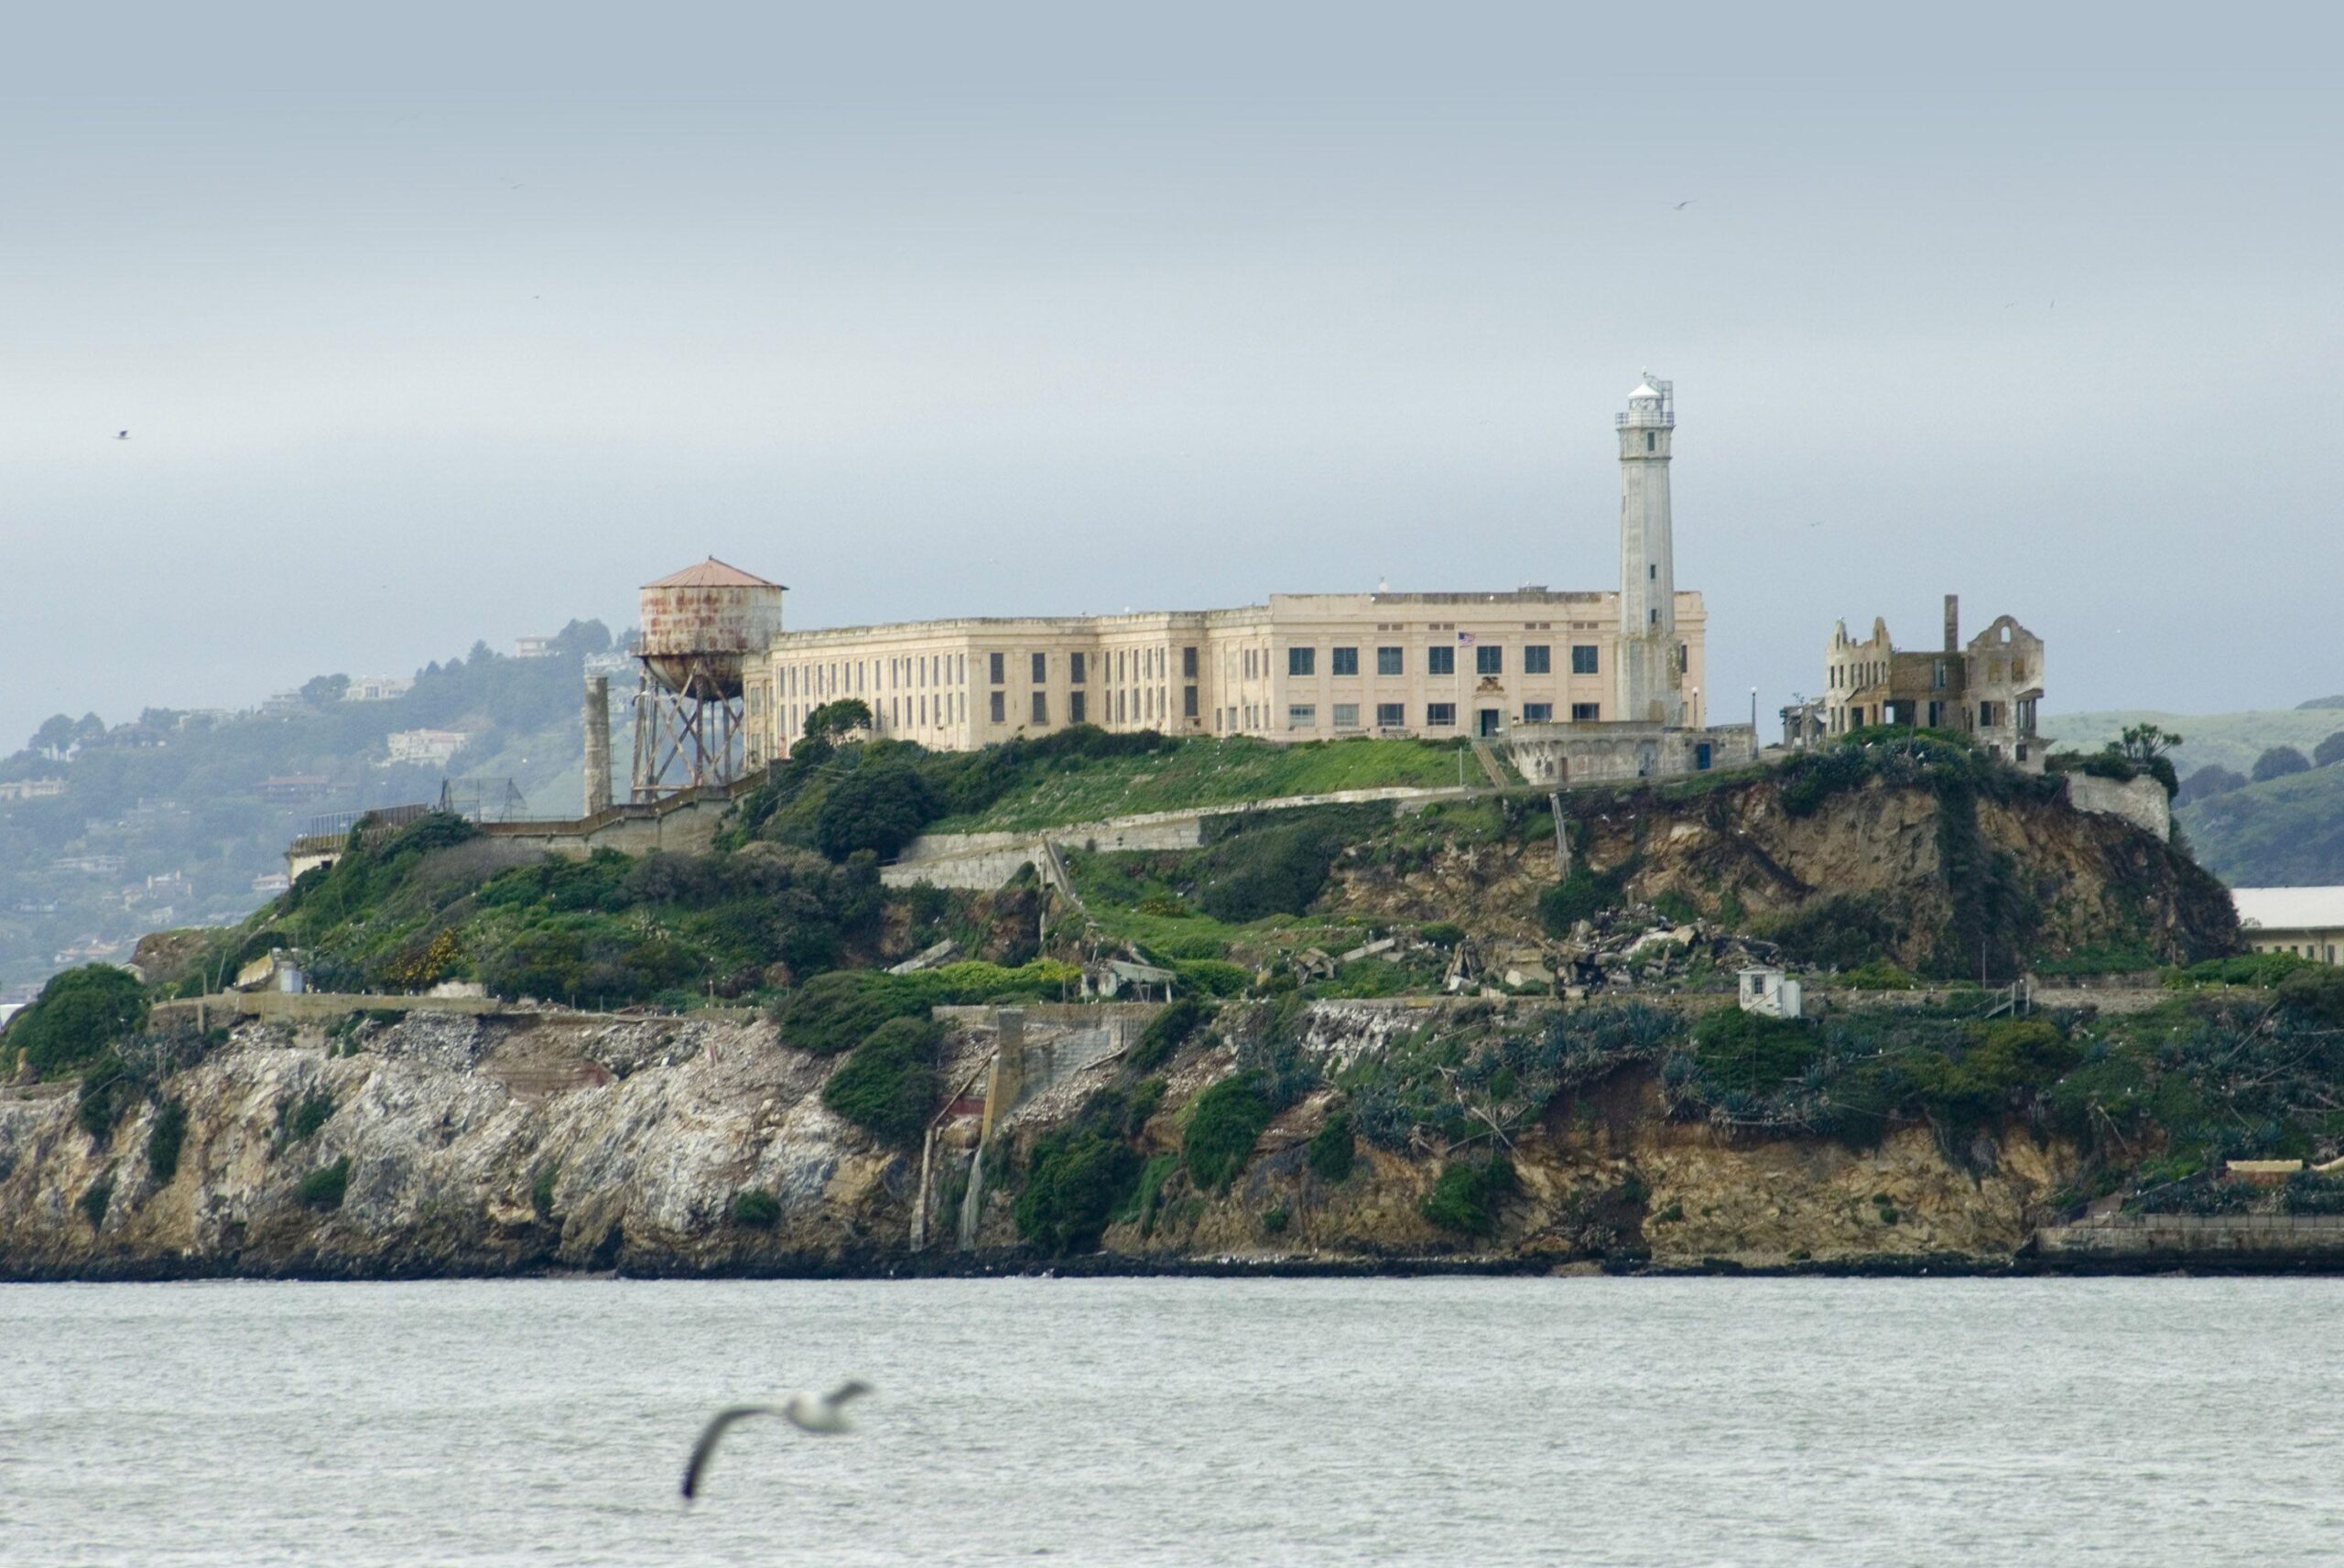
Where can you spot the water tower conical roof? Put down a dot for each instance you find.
(713, 573)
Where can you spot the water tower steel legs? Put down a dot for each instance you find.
(683, 742)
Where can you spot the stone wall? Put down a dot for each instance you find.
(1611, 754)
(2141, 802)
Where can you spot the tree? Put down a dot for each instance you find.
(2278, 762)
(881, 807)
(54, 736)
(2210, 781)
(320, 690)
(2144, 744)
(838, 718)
(2329, 752)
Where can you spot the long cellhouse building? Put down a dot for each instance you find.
(1609, 665)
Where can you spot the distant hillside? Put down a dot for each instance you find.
(169, 819)
(2233, 740)
(2287, 832)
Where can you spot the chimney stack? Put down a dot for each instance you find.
(1953, 622)
(598, 744)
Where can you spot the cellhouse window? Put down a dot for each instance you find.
(1000, 706)
(999, 662)
(1075, 706)
(1652, 440)
(1441, 660)
(1074, 668)
(1346, 661)
(1188, 663)
(1041, 668)
(1302, 716)
(1537, 659)
(1188, 702)
(1301, 661)
(1441, 715)
(1489, 661)
(1537, 713)
(1347, 715)
(1390, 715)
(1586, 712)
(1388, 662)
(1041, 707)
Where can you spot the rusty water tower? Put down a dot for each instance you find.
(701, 629)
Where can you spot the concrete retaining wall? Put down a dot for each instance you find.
(981, 861)
(2204, 1239)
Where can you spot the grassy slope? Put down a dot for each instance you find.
(2286, 833)
(2231, 740)
(1215, 772)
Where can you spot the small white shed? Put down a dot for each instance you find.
(1769, 993)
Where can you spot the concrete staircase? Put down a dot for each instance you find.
(1487, 756)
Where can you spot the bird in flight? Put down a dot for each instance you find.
(820, 1414)
(122, 434)
(1687, 202)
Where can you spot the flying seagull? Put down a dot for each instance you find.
(807, 1413)
(1687, 202)
(122, 434)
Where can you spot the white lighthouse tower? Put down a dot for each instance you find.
(1651, 670)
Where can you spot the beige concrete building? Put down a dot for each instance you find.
(2306, 921)
(1988, 688)
(1308, 667)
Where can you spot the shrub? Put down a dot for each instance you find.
(1582, 896)
(888, 1084)
(2278, 762)
(2316, 993)
(541, 1190)
(110, 1090)
(163, 1142)
(1743, 1052)
(1878, 975)
(2243, 969)
(1334, 1148)
(77, 1015)
(95, 1200)
(1264, 870)
(1224, 1125)
(2022, 1053)
(1442, 933)
(1676, 906)
(323, 1188)
(309, 1113)
(1078, 1179)
(1840, 932)
(1465, 1197)
(833, 1012)
(1167, 1033)
(1213, 977)
(2329, 752)
(755, 1208)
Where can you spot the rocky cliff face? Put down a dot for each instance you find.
(2039, 878)
(490, 1147)
(474, 1147)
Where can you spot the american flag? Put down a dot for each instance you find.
(1464, 639)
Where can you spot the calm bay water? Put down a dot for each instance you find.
(1453, 1421)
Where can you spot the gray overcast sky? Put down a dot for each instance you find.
(462, 327)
